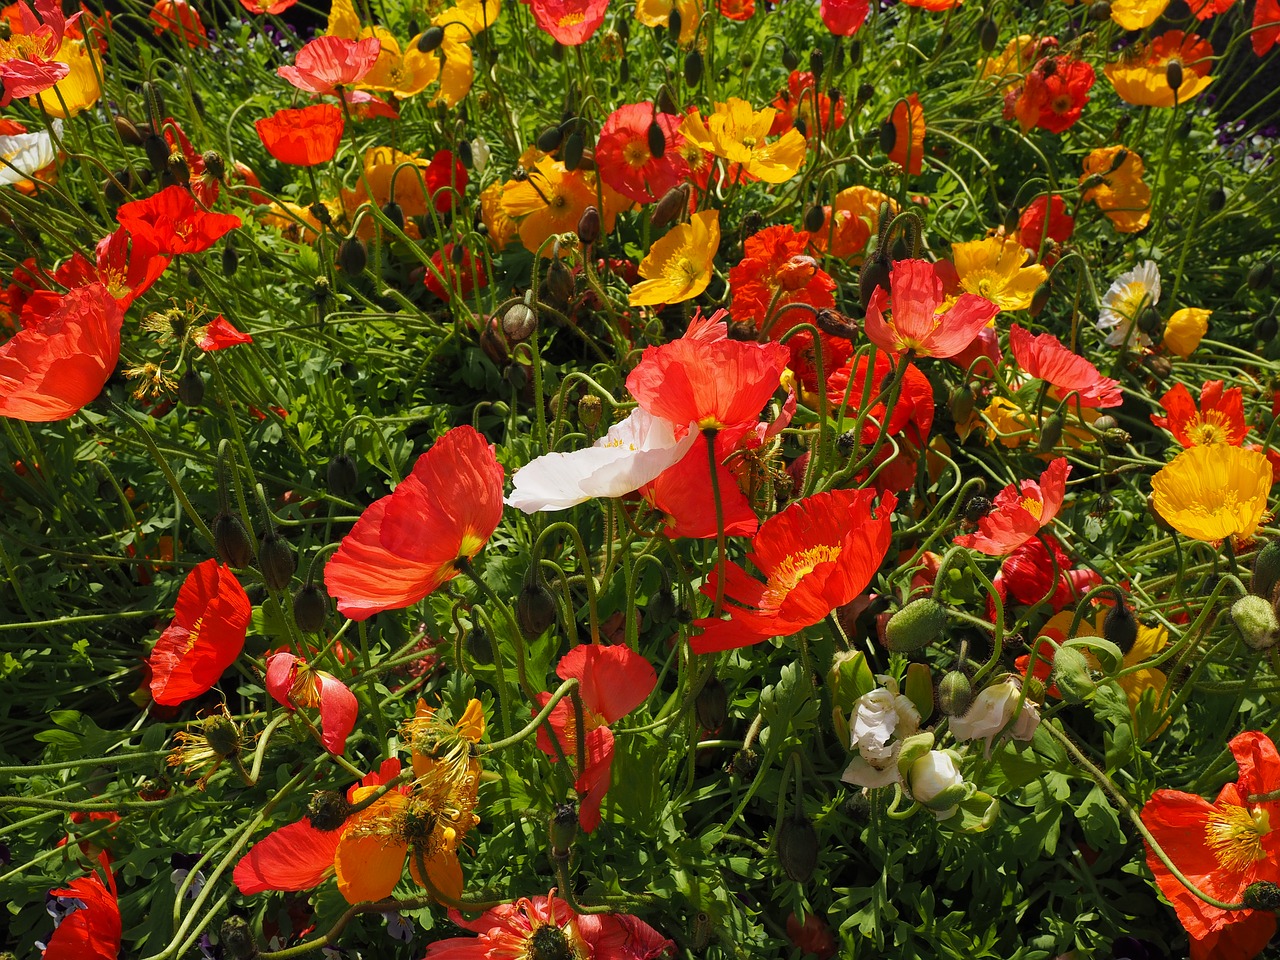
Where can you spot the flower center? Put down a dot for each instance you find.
(684, 270)
(1033, 506)
(1235, 835)
(636, 154)
(786, 575)
(571, 19)
(1207, 429)
(193, 634)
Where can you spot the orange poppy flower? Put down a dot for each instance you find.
(304, 137)
(1266, 26)
(1054, 94)
(803, 101)
(850, 222)
(180, 18)
(774, 271)
(90, 929)
(1220, 418)
(1118, 189)
(172, 223)
(1141, 75)
(569, 22)
(549, 200)
(1045, 220)
(908, 140)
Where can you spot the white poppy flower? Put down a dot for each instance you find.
(880, 721)
(25, 153)
(991, 710)
(631, 454)
(1125, 299)
(932, 774)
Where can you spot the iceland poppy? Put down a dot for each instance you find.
(1219, 419)
(1213, 492)
(774, 271)
(304, 137)
(86, 920)
(27, 55)
(1043, 220)
(569, 22)
(294, 683)
(172, 223)
(916, 292)
(1043, 356)
(844, 17)
(1113, 180)
(908, 135)
(625, 159)
(1021, 510)
(180, 18)
(678, 265)
(326, 63)
(997, 269)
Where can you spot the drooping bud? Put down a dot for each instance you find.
(128, 130)
(675, 24)
(1071, 675)
(661, 607)
(310, 607)
(977, 508)
(342, 476)
(589, 226)
(1051, 431)
(230, 260)
(214, 165)
(559, 282)
(961, 402)
(480, 645)
(395, 213)
(430, 39)
(352, 256)
(814, 218)
(1040, 299)
(874, 273)
(657, 140)
(1259, 275)
(276, 560)
(1100, 10)
(988, 34)
(836, 324)
(464, 153)
(590, 410)
(236, 939)
(232, 540)
(535, 607)
(1216, 200)
(328, 810)
(191, 388)
(1120, 626)
(916, 625)
(797, 846)
(562, 830)
(519, 322)
(1266, 569)
(888, 136)
(1173, 75)
(816, 63)
(550, 139)
(712, 704)
(955, 693)
(790, 59)
(693, 64)
(1255, 618)
(672, 204)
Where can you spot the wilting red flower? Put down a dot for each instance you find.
(62, 357)
(740, 10)
(464, 276)
(1220, 418)
(1045, 215)
(407, 544)
(1266, 25)
(25, 65)
(844, 17)
(327, 63)
(704, 378)
(1027, 575)
(172, 223)
(538, 926)
(293, 683)
(1053, 95)
(916, 293)
(209, 624)
(90, 927)
(625, 161)
(1019, 512)
(1221, 847)
(1043, 356)
(614, 681)
(569, 22)
(908, 141)
(179, 17)
(773, 272)
(817, 554)
(220, 334)
(802, 100)
(303, 137)
(684, 496)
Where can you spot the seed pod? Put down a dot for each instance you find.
(955, 693)
(916, 625)
(276, 561)
(462, 150)
(232, 540)
(790, 59)
(673, 203)
(1173, 75)
(712, 704)
(342, 476)
(888, 136)
(1051, 431)
(816, 64)
(128, 130)
(562, 831)
(1262, 895)
(1259, 275)
(675, 26)
(1255, 618)
(480, 646)
(430, 39)
(230, 260)
(328, 810)
(1266, 569)
(961, 401)
(814, 218)
(519, 322)
(236, 939)
(988, 34)
(191, 388)
(693, 65)
(589, 226)
(352, 256)
(797, 846)
(1071, 675)
(395, 213)
(1120, 626)
(1041, 297)
(571, 155)
(589, 410)
(535, 608)
(1100, 10)
(310, 608)
(657, 140)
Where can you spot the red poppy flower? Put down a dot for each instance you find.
(209, 624)
(684, 496)
(704, 378)
(1020, 511)
(365, 106)
(803, 359)
(625, 161)
(407, 544)
(916, 292)
(126, 267)
(773, 272)
(1220, 418)
(817, 554)
(803, 100)
(179, 17)
(27, 278)
(172, 223)
(740, 10)
(62, 357)
(614, 681)
(1221, 847)
(538, 926)
(91, 927)
(304, 137)
(844, 17)
(912, 416)
(569, 22)
(26, 64)
(327, 63)
(1204, 9)
(1044, 357)
(292, 683)
(1027, 574)
(463, 277)
(908, 141)
(1266, 26)
(260, 7)
(1053, 95)
(219, 334)
(1045, 215)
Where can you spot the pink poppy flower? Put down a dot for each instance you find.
(292, 683)
(569, 22)
(916, 294)
(327, 63)
(1045, 358)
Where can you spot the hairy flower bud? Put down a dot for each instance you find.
(916, 625)
(961, 402)
(1051, 431)
(519, 322)
(693, 64)
(310, 607)
(191, 388)
(1071, 675)
(1260, 275)
(236, 938)
(276, 560)
(1266, 569)
(589, 226)
(395, 213)
(352, 256)
(669, 208)
(1040, 299)
(814, 218)
(232, 540)
(535, 608)
(480, 646)
(712, 704)
(563, 830)
(1120, 626)
(1262, 895)
(550, 139)
(797, 846)
(342, 476)
(955, 693)
(988, 34)
(430, 39)
(1255, 618)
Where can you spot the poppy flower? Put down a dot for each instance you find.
(624, 159)
(1220, 418)
(774, 271)
(1015, 59)
(569, 22)
(209, 624)
(912, 415)
(1266, 26)
(1020, 511)
(657, 13)
(816, 555)
(1141, 74)
(293, 683)
(997, 269)
(545, 926)
(739, 10)
(431, 183)
(1026, 575)
(1054, 94)
(613, 682)
(1129, 295)
(127, 266)
(850, 222)
(180, 18)
(80, 89)
(916, 292)
(463, 277)
(737, 133)
(1115, 184)
(908, 139)
(28, 63)
(844, 17)
(1213, 492)
(550, 200)
(1043, 220)
(86, 920)
(1221, 847)
(304, 137)
(678, 265)
(1045, 358)
(934, 6)
(27, 154)
(326, 63)
(1137, 14)
(1184, 330)
(267, 7)
(407, 544)
(407, 71)
(683, 495)
(62, 357)
(172, 223)
(803, 101)
(219, 334)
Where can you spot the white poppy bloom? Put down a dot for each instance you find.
(1130, 294)
(27, 152)
(880, 721)
(991, 709)
(929, 776)
(631, 454)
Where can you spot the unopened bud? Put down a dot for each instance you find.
(693, 64)
(977, 508)
(352, 256)
(1120, 626)
(571, 154)
(874, 273)
(1266, 569)
(128, 131)
(232, 540)
(961, 402)
(835, 324)
(657, 140)
(480, 646)
(236, 939)
(563, 830)
(276, 561)
(550, 139)
(430, 39)
(955, 693)
(672, 204)
(1173, 74)
(1099, 11)
(328, 810)
(1259, 275)
(1051, 431)
(342, 476)
(519, 322)
(230, 261)
(675, 25)
(558, 282)
(395, 213)
(589, 226)
(535, 608)
(661, 607)
(888, 136)
(191, 388)
(814, 218)
(1071, 675)
(797, 846)
(1262, 895)
(310, 607)
(1256, 620)
(712, 704)
(1216, 200)
(790, 59)
(916, 625)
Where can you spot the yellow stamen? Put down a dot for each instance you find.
(1235, 836)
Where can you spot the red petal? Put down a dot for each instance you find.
(295, 857)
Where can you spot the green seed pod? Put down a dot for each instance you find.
(562, 831)
(590, 410)
(232, 540)
(988, 34)
(790, 59)
(328, 810)
(693, 68)
(1071, 675)
(571, 155)
(480, 646)
(712, 704)
(814, 218)
(797, 846)
(550, 139)
(310, 608)
(535, 608)
(1051, 431)
(352, 256)
(1256, 620)
(276, 561)
(430, 39)
(342, 476)
(657, 140)
(916, 625)
(1120, 626)
(955, 693)
(222, 735)
(191, 388)
(1259, 275)
(1266, 569)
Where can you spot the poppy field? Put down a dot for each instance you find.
(589, 480)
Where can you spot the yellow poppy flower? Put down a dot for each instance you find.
(1120, 193)
(475, 15)
(1137, 14)
(501, 228)
(993, 268)
(79, 90)
(1016, 58)
(678, 265)
(737, 133)
(657, 13)
(1185, 329)
(1214, 492)
(548, 201)
(1141, 75)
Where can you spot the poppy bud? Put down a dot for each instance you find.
(276, 560)
(814, 218)
(1120, 626)
(462, 150)
(961, 402)
(801, 127)
(675, 26)
(1149, 320)
(1266, 328)
(864, 93)
(559, 282)
(662, 606)
(113, 188)
(321, 213)
(230, 260)
(816, 63)
(232, 540)
(310, 607)
(517, 375)
(1255, 618)
(191, 389)
(562, 830)
(1158, 366)
(955, 693)
(1099, 11)
(430, 39)
(480, 646)
(692, 68)
(977, 508)
(988, 34)
(519, 322)
(1173, 75)
(1216, 200)
(752, 222)
(916, 625)
(352, 256)
(1259, 275)
(1071, 675)
(589, 410)
(790, 59)
(550, 139)
(668, 209)
(342, 476)
(157, 152)
(1051, 431)
(194, 278)
(1262, 895)
(236, 939)
(1011, 220)
(395, 213)
(888, 136)
(712, 704)
(1266, 569)
(847, 442)
(1048, 67)
(128, 130)
(1041, 297)
(874, 273)
(835, 324)
(589, 226)
(797, 846)
(571, 155)
(744, 764)
(535, 608)
(328, 810)
(1118, 160)
(457, 253)
(657, 140)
